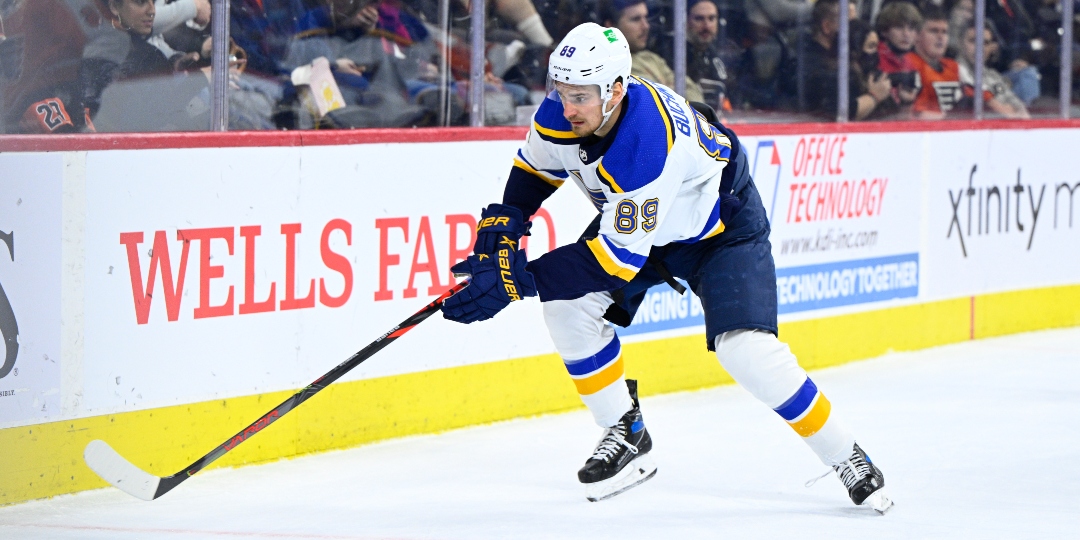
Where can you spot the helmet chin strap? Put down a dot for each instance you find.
(605, 112)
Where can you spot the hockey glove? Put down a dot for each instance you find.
(496, 221)
(497, 279)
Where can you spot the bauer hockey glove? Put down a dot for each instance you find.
(497, 279)
(496, 221)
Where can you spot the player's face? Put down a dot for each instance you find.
(933, 39)
(634, 24)
(901, 37)
(702, 23)
(582, 107)
(135, 15)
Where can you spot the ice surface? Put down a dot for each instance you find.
(976, 440)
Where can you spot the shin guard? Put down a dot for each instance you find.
(765, 367)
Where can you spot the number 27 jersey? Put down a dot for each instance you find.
(655, 179)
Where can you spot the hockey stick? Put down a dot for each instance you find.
(114, 469)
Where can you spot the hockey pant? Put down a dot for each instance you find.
(756, 359)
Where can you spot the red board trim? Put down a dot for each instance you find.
(232, 139)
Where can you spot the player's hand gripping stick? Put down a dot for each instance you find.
(497, 279)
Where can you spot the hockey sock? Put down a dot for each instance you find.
(591, 353)
(766, 368)
(599, 380)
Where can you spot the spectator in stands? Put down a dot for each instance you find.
(1005, 101)
(137, 18)
(43, 50)
(69, 51)
(941, 91)
(869, 90)
(1017, 62)
(631, 17)
(704, 64)
(517, 42)
(171, 15)
(768, 71)
(561, 16)
(1012, 19)
(872, 88)
(375, 47)
(265, 29)
(130, 85)
(766, 17)
(363, 42)
(961, 15)
(517, 35)
(522, 15)
(940, 76)
(897, 27)
(275, 34)
(821, 58)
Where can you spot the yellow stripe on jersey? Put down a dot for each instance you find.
(717, 230)
(663, 112)
(521, 164)
(601, 379)
(812, 422)
(553, 132)
(607, 178)
(608, 262)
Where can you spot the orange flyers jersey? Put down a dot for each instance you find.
(941, 89)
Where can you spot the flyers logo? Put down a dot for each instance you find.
(949, 94)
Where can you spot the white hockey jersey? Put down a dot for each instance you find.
(655, 177)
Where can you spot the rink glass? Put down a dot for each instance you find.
(446, 63)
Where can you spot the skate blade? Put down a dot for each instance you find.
(636, 472)
(879, 501)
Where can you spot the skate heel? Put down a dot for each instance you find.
(879, 501)
(864, 481)
(633, 474)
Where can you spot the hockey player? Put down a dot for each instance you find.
(675, 199)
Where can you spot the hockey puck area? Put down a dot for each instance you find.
(965, 419)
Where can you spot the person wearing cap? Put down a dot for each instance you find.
(674, 204)
(631, 17)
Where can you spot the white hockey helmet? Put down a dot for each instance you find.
(591, 55)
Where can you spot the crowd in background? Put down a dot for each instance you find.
(70, 66)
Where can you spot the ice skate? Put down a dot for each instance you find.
(864, 481)
(621, 459)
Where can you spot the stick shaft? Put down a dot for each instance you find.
(307, 392)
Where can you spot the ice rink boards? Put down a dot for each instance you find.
(977, 440)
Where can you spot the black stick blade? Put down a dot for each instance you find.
(114, 469)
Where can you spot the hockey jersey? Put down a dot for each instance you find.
(655, 178)
(941, 90)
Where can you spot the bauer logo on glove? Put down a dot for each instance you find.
(499, 221)
(496, 280)
(507, 273)
(493, 221)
